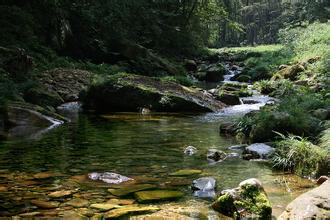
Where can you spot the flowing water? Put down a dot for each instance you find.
(144, 147)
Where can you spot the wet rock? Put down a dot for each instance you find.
(72, 215)
(249, 101)
(133, 209)
(78, 203)
(190, 150)
(204, 187)
(157, 195)
(227, 128)
(233, 155)
(238, 147)
(123, 191)
(258, 151)
(314, 204)
(60, 194)
(115, 94)
(246, 201)
(108, 177)
(86, 212)
(215, 73)
(121, 201)
(45, 204)
(215, 155)
(229, 98)
(30, 214)
(27, 115)
(44, 175)
(186, 172)
(104, 206)
(3, 189)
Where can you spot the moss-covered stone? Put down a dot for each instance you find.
(249, 199)
(123, 191)
(186, 172)
(157, 195)
(131, 209)
(290, 72)
(127, 92)
(225, 205)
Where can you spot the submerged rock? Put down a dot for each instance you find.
(45, 204)
(108, 177)
(190, 150)
(115, 94)
(157, 195)
(227, 128)
(258, 151)
(131, 209)
(249, 200)
(215, 155)
(78, 203)
(60, 194)
(186, 172)
(204, 187)
(314, 204)
(104, 206)
(123, 191)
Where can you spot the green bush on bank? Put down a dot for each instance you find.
(293, 114)
(299, 156)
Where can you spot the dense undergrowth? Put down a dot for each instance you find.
(303, 106)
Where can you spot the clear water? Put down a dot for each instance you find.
(143, 147)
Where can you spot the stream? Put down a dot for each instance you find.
(146, 148)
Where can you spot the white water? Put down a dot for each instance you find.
(256, 100)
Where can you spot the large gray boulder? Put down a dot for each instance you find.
(127, 92)
(314, 204)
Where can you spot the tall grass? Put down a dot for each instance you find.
(297, 154)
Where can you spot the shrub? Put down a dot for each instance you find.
(298, 155)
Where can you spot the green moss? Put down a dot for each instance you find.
(225, 205)
(254, 201)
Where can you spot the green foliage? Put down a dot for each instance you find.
(183, 80)
(298, 155)
(291, 115)
(307, 42)
(324, 141)
(278, 88)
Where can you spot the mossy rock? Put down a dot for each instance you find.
(229, 98)
(290, 72)
(157, 195)
(243, 78)
(104, 206)
(186, 172)
(42, 97)
(126, 190)
(131, 209)
(249, 199)
(130, 93)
